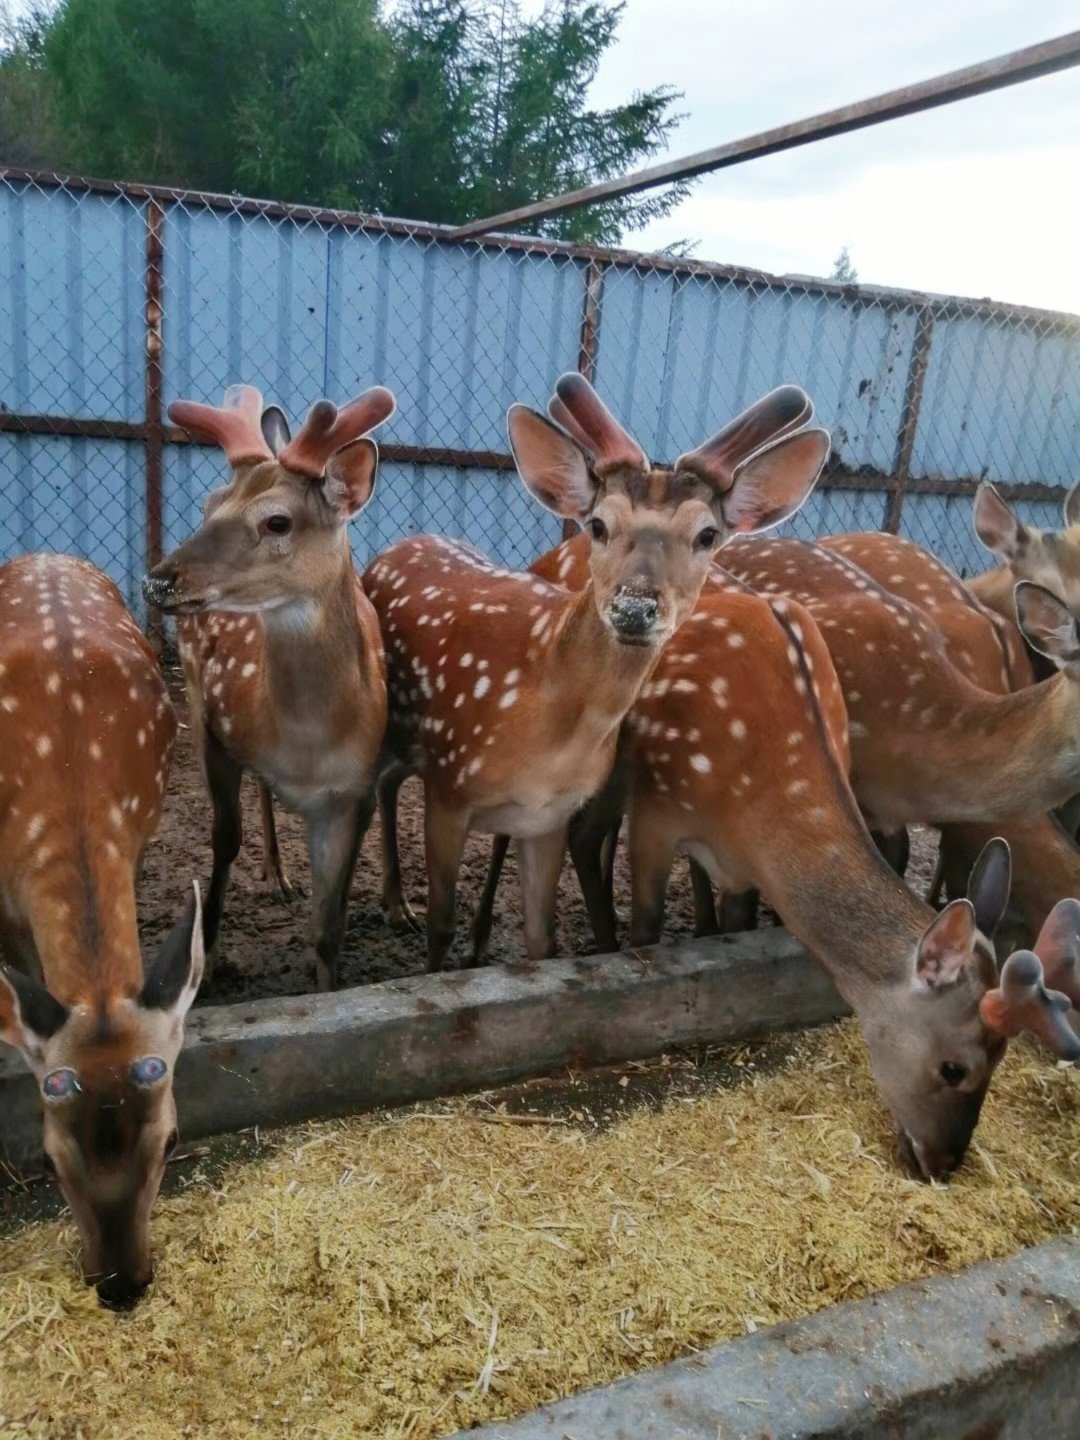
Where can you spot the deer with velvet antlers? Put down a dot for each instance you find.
(506, 692)
(86, 734)
(282, 655)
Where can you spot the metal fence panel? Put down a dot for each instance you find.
(116, 299)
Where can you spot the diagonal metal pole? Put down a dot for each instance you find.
(1011, 69)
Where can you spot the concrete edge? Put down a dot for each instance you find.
(992, 1353)
(273, 1062)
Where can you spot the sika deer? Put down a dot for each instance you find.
(282, 654)
(507, 693)
(86, 733)
(1050, 558)
(735, 754)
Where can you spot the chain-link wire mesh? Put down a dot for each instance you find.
(115, 300)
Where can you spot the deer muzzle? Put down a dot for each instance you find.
(634, 615)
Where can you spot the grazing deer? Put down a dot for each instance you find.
(735, 753)
(990, 651)
(283, 659)
(506, 692)
(1050, 558)
(86, 733)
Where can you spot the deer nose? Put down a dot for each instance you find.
(121, 1292)
(159, 586)
(632, 614)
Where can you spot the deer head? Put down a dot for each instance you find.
(106, 1083)
(1050, 558)
(653, 532)
(936, 1035)
(276, 533)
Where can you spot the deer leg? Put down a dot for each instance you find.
(738, 911)
(895, 846)
(445, 832)
(651, 858)
(480, 933)
(335, 832)
(591, 830)
(705, 921)
(273, 870)
(399, 913)
(540, 859)
(223, 776)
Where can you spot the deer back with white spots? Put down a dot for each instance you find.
(507, 692)
(86, 735)
(990, 651)
(282, 655)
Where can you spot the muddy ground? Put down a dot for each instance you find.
(265, 946)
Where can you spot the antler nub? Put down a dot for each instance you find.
(593, 426)
(1021, 1002)
(328, 430)
(1058, 947)
(235, 425)
(769, 420)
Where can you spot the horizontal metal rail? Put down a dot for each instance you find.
(1011, 69)
(836, 477)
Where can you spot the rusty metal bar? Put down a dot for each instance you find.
(590, 341)
(909, 423)
(155, 416)
(1010, 69)
(836, 478)
(866, 296)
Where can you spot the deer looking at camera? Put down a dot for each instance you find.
(735, 753)
(86, 733)
(507, 693)
(282, 654)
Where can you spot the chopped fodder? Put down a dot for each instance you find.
(407, 1275)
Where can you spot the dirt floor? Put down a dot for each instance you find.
(265, 940)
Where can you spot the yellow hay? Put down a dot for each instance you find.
(405, 1276)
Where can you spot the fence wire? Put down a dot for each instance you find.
(117, 299)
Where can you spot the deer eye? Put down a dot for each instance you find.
(707, 538)
(60, 1085)
(952, 1072)
(597, 529)
(277, 524)
(149, 1070)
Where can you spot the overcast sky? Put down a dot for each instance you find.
(978, 198)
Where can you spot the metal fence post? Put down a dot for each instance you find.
(590, 340)
(909, 422)
(155, 425)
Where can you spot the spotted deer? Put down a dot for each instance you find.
(283, 659)
(735, 753)
(1050, 558)
(990, 651)
(86, 734)
(507, 692)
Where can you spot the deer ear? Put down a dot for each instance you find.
(552, 467)
(988, 885)
(350, 477)
(945, 948)
(29, 1014)
(773, 482)
(275, 428)
(1072, 507)
(173, 979)
(996, 525)
(1047, 623)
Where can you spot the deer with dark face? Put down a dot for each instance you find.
(86, 734)
(283, 660)
(506, 692)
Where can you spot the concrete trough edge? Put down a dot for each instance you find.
(991, 1353)
(277, 1061)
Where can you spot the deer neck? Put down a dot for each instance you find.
(81, 909)
(842, 901)
(313, 649)
(595, 675)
